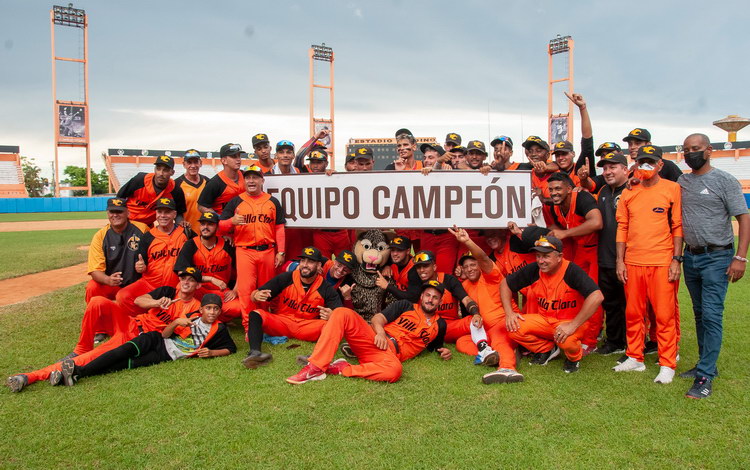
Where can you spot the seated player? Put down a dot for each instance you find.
(302, 300)
(113, 252)
(190, 335)
(164, 305)
(482, 282)
(144, 191)
(215, 259)
(467, 331)
(157, 254)
(338, 272)
(400, 332)
(561, 298)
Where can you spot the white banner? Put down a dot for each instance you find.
(403, 199)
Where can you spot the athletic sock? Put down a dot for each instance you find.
(478, 334)
(255, 331)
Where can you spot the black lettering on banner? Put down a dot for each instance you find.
(333, 198)
(401, 204)
(351, 202)
(430, 207)
(305, 212)
(289, 203)
(493, 197)
(451, 201)
(516, 201)
(376, 203)
(471, 199)
(318, 202)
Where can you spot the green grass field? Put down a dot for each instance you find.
(214, 413)
(24, 253)
(34, 216)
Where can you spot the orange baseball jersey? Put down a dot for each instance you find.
(335, 283)
(192, 191)
(486, 293)
(262, 213)
(452, 297)
(218, 262)
(112, 252)
(156, 319)
(266, 169)
(412, 330)
(559, 295)
(142, 197)
(219, 190)
(509, 261)
(159, 251)
(401, 275)
(540, 182)
(417, 166)
(648, 219)
(581, 203)
(293, 298)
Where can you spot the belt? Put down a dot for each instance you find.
(395, 343)
(697, 250)
(436, 232)
(258, 247)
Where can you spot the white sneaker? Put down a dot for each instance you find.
(629, 365)
(502, 376)
(488, 357)
(666, 374)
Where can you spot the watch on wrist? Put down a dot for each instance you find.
(678, 258)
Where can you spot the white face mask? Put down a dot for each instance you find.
(646, 166)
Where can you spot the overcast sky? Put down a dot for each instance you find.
(181, 74)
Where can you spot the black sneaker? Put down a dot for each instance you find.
(55, 378)
(256, 358)
(69, 356)
(543, 358)
(650, 348)
(608, 348)
(571, 366)
(693, 373)
(16, 383)
(622, 359)
(100, 338)
(701, 388)
(69, 375)
(346, 350)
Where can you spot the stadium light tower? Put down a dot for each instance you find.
(560, 125)
(732, 124)
(71, 118)
(322, 53)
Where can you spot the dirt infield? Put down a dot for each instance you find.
(20, 289)
(51, 225)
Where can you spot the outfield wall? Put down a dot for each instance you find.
(53, 204)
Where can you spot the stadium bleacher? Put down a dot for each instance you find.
(11, 175)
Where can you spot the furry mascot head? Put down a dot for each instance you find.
(373, 253)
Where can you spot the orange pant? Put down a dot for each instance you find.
(649, 284)
(297, 239)
(103, 316)
(459, 332)
(94, 289)
(537, 332)
(331, 243)
(374, 363)
(127, 295)
(587, 258)
(445, 247)
(229, 310)
(287, 325)
(254, 268)
(497, 336)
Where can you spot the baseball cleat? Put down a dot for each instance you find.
(55, 378)
(629, 365)
(346, 350)
(544, 358)
(256, 358)
(502, 376)
(308, 373)
(608, 348)
(16, 383)
(69, 372)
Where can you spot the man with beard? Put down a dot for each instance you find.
(649, 253)
(303, 302)
(576, 220)
(192, 184)
(226, 184)
(144, 190)
(398, 270)
(710, 198)
(215, 259)
(400, 332)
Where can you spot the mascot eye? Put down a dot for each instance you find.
(366, 244)
(380, 248)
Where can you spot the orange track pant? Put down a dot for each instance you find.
(94, 289)
(459, 332)
(587, 258)
(374, 363)
(127, 295)
(254, 268)
(331, 243)
(103, 316)
(536, 333)
(445, 246)
(287, 325)
(497, 336)
(649, 284)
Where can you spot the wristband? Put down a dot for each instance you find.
(740, 258)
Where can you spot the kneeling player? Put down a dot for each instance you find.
(561, 297)
(303, 303)
(400, 332)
